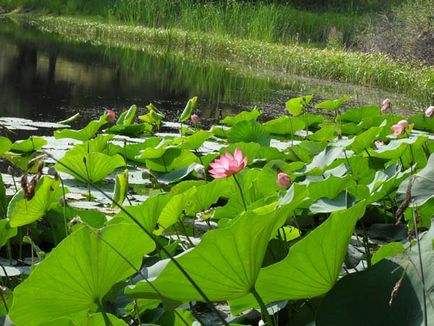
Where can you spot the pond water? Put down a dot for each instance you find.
(46, 78)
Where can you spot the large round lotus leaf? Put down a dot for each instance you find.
(249, 131)
(28, 145)
(78, 273)
(89, 166)
(362, 299)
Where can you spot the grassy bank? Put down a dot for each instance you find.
(262, 20)
(338, 65)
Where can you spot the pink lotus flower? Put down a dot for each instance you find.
(429, 112)
(400, 127)
(387, 104)
(283, 180)
(111, 115)
(194, 118)
(228, 165)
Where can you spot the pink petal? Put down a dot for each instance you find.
(238, 155)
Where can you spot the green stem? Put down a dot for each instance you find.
(425, 314)
(107, 321)
(64, 206)
(264, 313)
(241, 192)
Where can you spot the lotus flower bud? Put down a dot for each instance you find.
(111, 116)
(283, 180)
(387, 104)
(429, 112)
(194, 118)
(400, 127)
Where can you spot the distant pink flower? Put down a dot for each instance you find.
(283, 180)
(194, 118)
(378, 143)
(429, 112)
(111, 115)
(400, 127)
(387, 104)
(227, 164)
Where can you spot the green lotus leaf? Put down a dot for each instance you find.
(188, 110)
(22, 211)
(92, 167)
(327, 188)
(146, 213)
(78, 273)
(284, 125)
(325, 134)
(174, 209)
(172, 159)
(83, 134)
(421, 122)
(176, 175)
(365, 139)
(311, 120)
(153, 116)
(132, 130)
(386, 182)
(121, 188)
(305, 151)
(224, 265)
(359, 114)
(396, 147)
(296, 106)
(324, 159)
(5, 145)
(422, 185)
(127, 117)
(69, 120)
(332, 104)
(373, 287)
(413, 271)
(308, 272)
(98, 144)
(192, 142)
(6, 232)
(388, 250)
(242, 116)
(29, 145)
(249, 131)
(87, 319)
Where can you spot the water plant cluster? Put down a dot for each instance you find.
(301, 218)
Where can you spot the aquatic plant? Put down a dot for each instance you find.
(269, 227)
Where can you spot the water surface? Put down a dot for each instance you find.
(44, 77)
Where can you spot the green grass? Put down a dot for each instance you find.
(264, 21)
(337, 65)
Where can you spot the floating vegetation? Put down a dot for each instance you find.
(119, 224)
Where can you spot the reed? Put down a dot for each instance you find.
(262, 21)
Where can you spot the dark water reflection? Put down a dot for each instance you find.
(43, 77)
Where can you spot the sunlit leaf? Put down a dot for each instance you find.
(242, 116)
(83, 134)
(78, 273)
(29, 145)
(92, 167)
(249, 131)
(188, 110)
(308, 272)
(332, 104)
(22, 211)
(295, 106)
